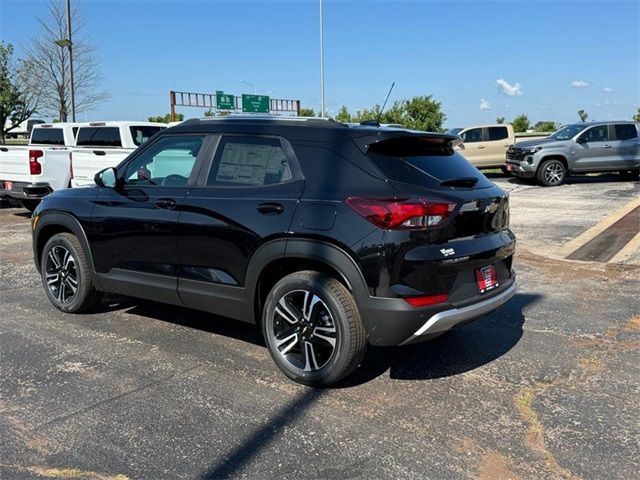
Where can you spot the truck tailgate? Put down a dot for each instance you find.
(86, 162)
(14, 164)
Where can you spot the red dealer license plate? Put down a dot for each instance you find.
(509, 167)
(8, 185)
(486, 278)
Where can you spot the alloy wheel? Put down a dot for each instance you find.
(61, 274)
(553, 173)
(304, 330)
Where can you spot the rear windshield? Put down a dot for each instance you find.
(99, 137)
(47, 136)
(423, 161)
(142, 133)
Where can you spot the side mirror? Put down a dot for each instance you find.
(582, 139)
(106, 178)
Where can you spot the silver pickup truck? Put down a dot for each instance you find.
(578, 148)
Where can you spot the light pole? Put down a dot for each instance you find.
(250, 84)
(321, 61)
(66, 42)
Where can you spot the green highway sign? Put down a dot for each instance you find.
(255, 103)
(224, 101)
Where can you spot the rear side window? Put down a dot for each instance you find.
(142, 133)
(423, 161)
(99, 137)
(244, 161)
(47, 136)
(498, 133)
(473, 135)
(626, 131)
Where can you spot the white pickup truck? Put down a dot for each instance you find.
(105, 144)
(28, 173)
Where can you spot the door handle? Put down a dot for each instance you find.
(606, 146)
(480, 146)
(99, 152)
(4, 149)
(168, 203)
(270, 208)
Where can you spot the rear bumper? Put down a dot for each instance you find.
(26, 191)
(392, 321)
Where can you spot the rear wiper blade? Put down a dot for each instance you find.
(464, 182)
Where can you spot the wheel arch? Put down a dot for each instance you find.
(554, 156)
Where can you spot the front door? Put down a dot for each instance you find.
(593, 150)
(247, 198)
(133, 227)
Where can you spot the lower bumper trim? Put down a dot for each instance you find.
(448, 319)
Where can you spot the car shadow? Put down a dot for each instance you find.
(573, 179)
(458, 351)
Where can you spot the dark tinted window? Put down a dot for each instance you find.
(626, 131)
(473, 135)
(168, 162)
(99, 137)
(47, 136)
(249, 162)
(498, 133)
(596, 134)
(142, 133)
(423, 161)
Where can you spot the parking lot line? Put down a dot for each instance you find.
(630, 250)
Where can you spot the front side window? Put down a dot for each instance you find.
(245, 161)
(473, 135)
(626, 131)
(596, 134)
(498, 133)
(168, 162)
(567, 132)
(142, 133)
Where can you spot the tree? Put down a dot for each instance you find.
(343, 115)
(18, 91)
(583, 115)
(307, 112)
(207, 113)
(423, 113)
(520, 123)
(500, 120)
(636, 117)
(167, 118)
(545, 126)
(52, 63)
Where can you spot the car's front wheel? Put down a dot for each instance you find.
(66, 275)
(313, 329)
(551, 173)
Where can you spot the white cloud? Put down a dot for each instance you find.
(607, 89)
(580, 84)
(508, 89)
(484, 104)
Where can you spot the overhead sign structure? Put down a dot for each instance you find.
(224, 101)
(255, 103)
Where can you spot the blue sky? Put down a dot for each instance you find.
(480, 59)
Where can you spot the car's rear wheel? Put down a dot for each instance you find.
(632, 174)
(66, 275)
(313, 329)
(551, 173)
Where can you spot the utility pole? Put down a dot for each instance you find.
(321, 61)
(73, 92)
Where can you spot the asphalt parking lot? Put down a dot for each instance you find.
(548, 386)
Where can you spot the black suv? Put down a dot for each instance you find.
(329, 236)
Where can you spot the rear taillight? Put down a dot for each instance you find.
(427, 300)
(35, 168)
(400, 213)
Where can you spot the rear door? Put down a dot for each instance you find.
(247, 197)
(626, 146)
(473, 147)
(496, 142)
(133, 230)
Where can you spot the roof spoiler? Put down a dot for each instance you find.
(364, 139)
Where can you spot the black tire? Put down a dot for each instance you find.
(630, 174)
(30, 204)
(328, 313)
(63, 264)
(551, 173)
